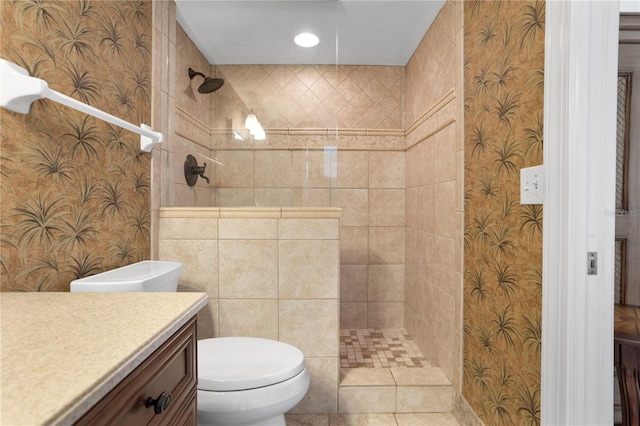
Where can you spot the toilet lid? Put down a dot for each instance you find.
(240, 363)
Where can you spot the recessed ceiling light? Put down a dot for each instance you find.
(306, 40)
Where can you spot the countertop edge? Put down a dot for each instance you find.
(80, 406)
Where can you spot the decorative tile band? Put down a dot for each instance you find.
(192, 129)
(437, 118)
(344, 140)
(252, 212)
(432, 111)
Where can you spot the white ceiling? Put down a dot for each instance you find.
(352, 32)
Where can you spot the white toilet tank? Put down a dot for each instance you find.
(145, 276)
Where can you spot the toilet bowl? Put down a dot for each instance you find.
(243, 381)
(248, 381)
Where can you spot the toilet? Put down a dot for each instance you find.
(244, 381)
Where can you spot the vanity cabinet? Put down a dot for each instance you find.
(160, 391)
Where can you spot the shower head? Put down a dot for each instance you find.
(209, 85)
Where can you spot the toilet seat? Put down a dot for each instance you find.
(242, 363)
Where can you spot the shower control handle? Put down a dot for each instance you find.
(200, 171)
(192, 170)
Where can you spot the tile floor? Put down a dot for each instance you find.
(378, 349)
(413, 419)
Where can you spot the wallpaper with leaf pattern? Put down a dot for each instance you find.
(504, 63)
(75, 190)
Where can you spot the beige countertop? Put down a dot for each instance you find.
(60, 353)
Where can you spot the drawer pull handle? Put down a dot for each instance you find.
(161, 403)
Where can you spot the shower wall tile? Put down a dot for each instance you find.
(411, 287)
(322, 396)
(236, 170)
(309, 169)
(353, 283)
(354, 245)
(412, 247)
(430, 71)
(354, 204)
(411, 208)
(426, 208)
(444, 204)
(208, 325)
(187, 97)
(316, 96)
(387, 169)
(386, 283)
(303, 271)
(387, 207)
(386, 245)
(299, 326)
(444, 313)
(354, 315)
(248, 229)
(352, 169)
(425, 300)
(412, 167)
(272, 169)
(191, 195)
(435, 195)
(248, 269)
(443, 256)
(385, 315)
(193, 228)
(309, 197)
(199, 259)
(444, 149)
(252, 318)
(308, 229)
(272, 197)
(233, 197)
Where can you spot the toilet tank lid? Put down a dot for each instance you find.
(241, 363)
(140, 276)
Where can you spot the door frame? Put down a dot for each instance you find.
(579, 211)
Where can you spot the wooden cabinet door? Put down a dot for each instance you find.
(171, 369)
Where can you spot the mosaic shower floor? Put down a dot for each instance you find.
(379, 349)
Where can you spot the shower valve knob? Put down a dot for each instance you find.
(200, 172)
(192, 170)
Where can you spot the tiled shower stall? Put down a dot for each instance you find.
(383, 144)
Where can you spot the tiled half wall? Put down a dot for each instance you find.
(269, 272)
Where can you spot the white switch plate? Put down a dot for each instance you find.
(532, 185)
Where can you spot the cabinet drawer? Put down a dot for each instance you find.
(170, 369)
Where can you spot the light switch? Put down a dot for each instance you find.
(532, 185)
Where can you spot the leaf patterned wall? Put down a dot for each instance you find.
(75, 190)
(504, 63)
